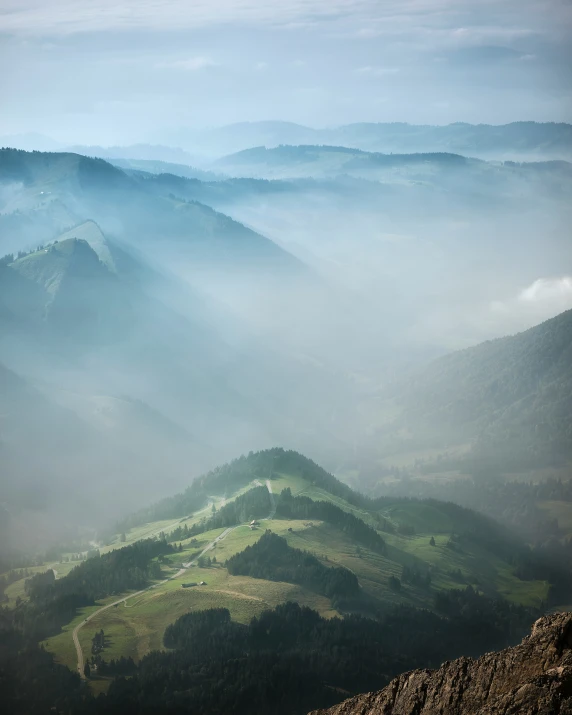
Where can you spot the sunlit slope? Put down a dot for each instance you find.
(94, 189)
(80, 295)
(429, 547)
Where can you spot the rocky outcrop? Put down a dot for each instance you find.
(533, 678)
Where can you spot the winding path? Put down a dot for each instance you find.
(180, 572)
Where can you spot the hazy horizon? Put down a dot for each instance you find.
(125, 72)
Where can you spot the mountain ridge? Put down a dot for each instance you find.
(533, 678)
(510, 395)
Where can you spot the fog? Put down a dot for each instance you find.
(170, 323)
(294, 211)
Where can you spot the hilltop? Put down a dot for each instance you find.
(272, 556)
(273, 526)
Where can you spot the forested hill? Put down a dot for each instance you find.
(229, 478)
(271, 558)
(55, 190)
(512, 395)
(516, 138)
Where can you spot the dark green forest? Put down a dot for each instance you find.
(302, 507)
(53, 603)
(271, 558)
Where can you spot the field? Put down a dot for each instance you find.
(136, 627)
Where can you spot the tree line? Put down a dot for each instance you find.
(301, 507)
(271, 558)
(54, 602)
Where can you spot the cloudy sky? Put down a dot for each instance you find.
(107, 71)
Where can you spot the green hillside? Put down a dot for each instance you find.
(80, 297)
(405, 552)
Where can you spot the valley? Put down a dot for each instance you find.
(428, 547)
(157, 320)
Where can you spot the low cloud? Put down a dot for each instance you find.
(548, 290)
(542, 299)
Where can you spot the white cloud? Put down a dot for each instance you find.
(542, 299)
(556, 291)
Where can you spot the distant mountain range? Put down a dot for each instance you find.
(509, 141)
(286, 162)
(178, 336)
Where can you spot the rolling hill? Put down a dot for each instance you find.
(444, 170)
(364, 556)
(511, 141)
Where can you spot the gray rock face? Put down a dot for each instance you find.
(533, 678)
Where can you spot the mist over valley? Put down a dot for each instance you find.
(285, 358)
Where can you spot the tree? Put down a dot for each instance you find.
(87, 670)
(432, 541)
(394, 583)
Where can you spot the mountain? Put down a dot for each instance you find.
(110, 325)
(401, 552)
(271, 559)
(443, 169)
(517, 140)
(509, 141)
(433, 236)
(508, 400)
(120, 204)
(154, 166)
(134, 152)
(79, 297)
(320, 161)
(531, 678)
